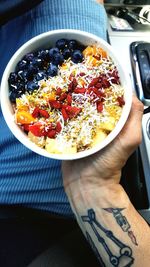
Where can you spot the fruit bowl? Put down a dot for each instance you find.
(43, 63)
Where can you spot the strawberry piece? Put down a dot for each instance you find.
(37, 129)
(78, 90)
(51, 134)
(58, 127)
(120, 101)
(69, 99)
(44, 113)
(36, 112)
(55, 104)
(64, 113)
(99, 106)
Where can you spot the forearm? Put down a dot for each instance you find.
(113, 227)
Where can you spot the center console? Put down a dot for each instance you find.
(129, 34)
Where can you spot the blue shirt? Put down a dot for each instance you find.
(27, 178)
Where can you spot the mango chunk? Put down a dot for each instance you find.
(24, 117)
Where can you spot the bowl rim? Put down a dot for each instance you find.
(15, 128)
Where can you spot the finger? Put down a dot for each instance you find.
(131, 134)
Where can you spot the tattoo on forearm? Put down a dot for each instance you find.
(123, 223)
(94, 248)
(123, 257)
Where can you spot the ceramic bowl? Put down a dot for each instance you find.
(46, 40)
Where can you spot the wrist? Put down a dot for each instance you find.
(111, 195)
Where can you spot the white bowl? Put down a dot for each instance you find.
(46, 40)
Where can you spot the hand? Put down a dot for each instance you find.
(104, 167)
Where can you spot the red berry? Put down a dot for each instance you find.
(79, 90)
(73, 111)
(120, 101)
(69, 99)
(55, 104)
(58, 91)
(44, 113)
(26, 127)
(93, 82)
(99, 106)
(63, 97)
(35, 112)
(65, 115)
(51, 134)
(58, 127)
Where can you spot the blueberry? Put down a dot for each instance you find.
(37, 62)
(13, 78)
(81, 47)
(66, 53)
(29, 57)
(32, 69)
(43, 54)
(77, 56)
(72, 44)
(12, 87)
(40, 75)
(52, 70)
(24, 75)
(22, 65)
(13, 96)
(57, 59)
(31, 86)
(52, 52)
(61, 43)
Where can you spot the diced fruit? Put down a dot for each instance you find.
(78, 90)
(99, 106)
(55, 104)
(72, 111)
(37, 129)
(121, 101)
(108, 125)
(44, 113)
(20, 105)
(38, 140)
(69, 99)
(58, 127)
(64, 114)
(24, 117)
(99, 137)
(63, 96)
(102, 52)
(89, 51)
(92, 60)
